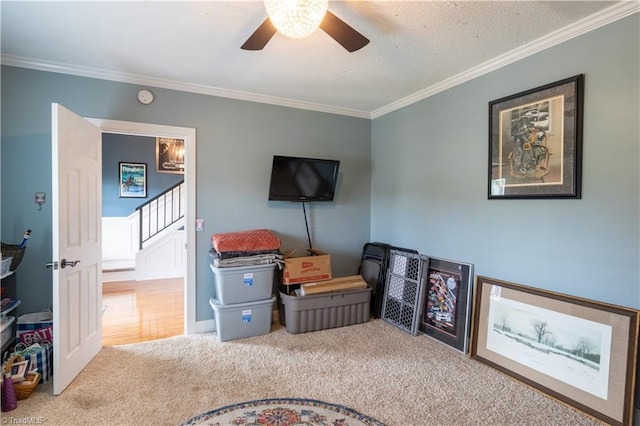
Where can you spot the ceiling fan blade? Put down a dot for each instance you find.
(343, 33)
(260, 37)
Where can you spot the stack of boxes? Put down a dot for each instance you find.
(310, 299)
(243, 301)
(243, 268)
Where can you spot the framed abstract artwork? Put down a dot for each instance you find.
(535, 142)
(447, 309)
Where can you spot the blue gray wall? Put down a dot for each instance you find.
(235, 144)
(414, 178)
(429, 181)
(130, 149)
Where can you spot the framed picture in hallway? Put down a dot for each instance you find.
(447, 307)
(169, 155)
(133, 180)
(580, 352)
(535, 142)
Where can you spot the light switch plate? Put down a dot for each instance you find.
(199, 225)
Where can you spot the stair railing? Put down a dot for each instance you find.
(161, 212)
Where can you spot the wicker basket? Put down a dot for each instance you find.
(23, 389)
(26, 388)
(12, 250)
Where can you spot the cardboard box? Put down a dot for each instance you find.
(306, 269)
(336, 284)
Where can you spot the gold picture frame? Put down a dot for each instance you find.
(581, 352)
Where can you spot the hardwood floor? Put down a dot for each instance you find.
(136, 311)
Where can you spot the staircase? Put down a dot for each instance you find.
(149, 243)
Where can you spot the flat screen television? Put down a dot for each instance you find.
(303, 179)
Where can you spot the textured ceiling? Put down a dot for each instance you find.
(416, 47)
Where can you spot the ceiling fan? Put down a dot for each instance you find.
(289, 16)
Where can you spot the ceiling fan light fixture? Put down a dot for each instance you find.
(296, 18)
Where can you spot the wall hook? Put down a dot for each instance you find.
(41, 198)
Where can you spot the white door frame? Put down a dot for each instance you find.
(189, 136)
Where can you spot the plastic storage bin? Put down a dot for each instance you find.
(7, 330)
(241, 320)
(243, 284)
(5, 265)
(322, 311)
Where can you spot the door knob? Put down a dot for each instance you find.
(71, 263)
(53, 265)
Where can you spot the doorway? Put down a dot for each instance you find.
(164, 287)
(142, 283)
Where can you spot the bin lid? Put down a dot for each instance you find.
(35, 317)
(216, 305)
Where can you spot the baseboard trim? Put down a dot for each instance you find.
(206, 326)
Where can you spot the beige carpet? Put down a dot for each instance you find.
(374, 368)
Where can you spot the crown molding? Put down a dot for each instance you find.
(607, 16)
(63, 68)
(618, 11)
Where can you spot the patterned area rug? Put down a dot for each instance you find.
(283, 412)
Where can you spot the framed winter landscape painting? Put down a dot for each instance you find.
(581, 352)
(446, 314)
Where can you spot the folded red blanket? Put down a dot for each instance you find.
(253, 240)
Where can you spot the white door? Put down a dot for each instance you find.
(76, 232)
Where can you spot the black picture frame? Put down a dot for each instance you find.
(132, 180)
(535, 142)
(446, 315)
(169, 155)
